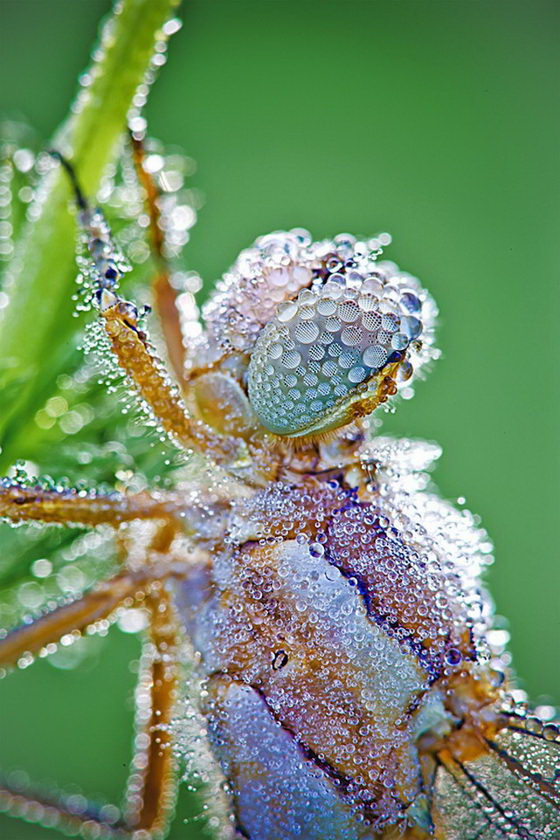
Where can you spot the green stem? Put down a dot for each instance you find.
(38, 318)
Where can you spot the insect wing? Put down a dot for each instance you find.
(512, 792)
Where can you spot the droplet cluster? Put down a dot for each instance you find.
(107, 253)
(344, 682)
(407, 589)
(444, 549)
(416, 558)
(245, 299)
(101, 264)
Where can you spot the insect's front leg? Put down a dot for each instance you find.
(130, 344)
(139, 360)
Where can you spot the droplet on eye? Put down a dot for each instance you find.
(411, 327)
(410, 303)
(357, 374)
(399, 341)
(306, 332)
(326, 306)
(305, 313)
(316, 353)
(351, 336)
(368, 303)
(329, 368)
(287, 311)
(332, 324)
(371, 321)
(390, 323)
(348, 312)
(348, 358)
(374, 356)
(291, 359)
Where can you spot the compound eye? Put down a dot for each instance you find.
(321, 361)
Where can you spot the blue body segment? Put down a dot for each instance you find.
(279, 792)
(307, 695)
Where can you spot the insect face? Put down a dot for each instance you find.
(326, 329)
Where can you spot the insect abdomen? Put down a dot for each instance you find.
(287, 637)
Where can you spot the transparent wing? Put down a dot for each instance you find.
(512, 792)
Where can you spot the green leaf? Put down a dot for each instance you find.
(37, 323)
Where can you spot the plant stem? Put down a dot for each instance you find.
(37, 321)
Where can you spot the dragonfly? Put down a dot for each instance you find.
(327, 602)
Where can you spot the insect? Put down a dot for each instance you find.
(330, 602)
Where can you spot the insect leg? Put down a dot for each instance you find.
(152, 783)
(135, 354)
(95, 605)
(25, 504)
(163, 292)
(151, 787)
(137, 357)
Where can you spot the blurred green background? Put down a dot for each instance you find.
(437, 121)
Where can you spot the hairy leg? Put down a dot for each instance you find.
(152, 784)
(170, 517)
(25, 504)
(138, 359)
(151, 788)
(134, 353)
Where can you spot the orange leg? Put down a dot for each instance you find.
(151, 787)
(95, 605)
(152, 784)
(163, 292)
(26, 504)
(129, 343)
(138, 359)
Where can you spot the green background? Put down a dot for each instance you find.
(436, 121)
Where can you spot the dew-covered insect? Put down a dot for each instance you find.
(329, 602)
